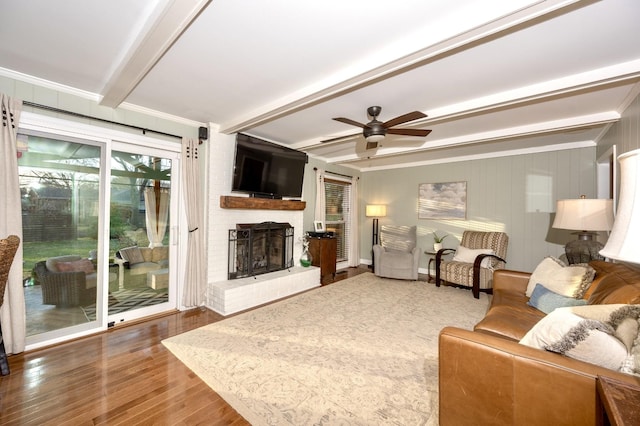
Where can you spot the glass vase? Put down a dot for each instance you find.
(305, 258)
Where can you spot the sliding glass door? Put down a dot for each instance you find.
(140, 218)
(98, 220)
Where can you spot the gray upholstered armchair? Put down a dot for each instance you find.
(397, 255)
(477, 256)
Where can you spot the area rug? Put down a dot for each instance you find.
(363, 351)
(128, 299)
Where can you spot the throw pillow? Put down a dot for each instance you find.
(467, 255)
(82, 265)
(571, 281)
(546, 300)
(566, 333)
(132, 255)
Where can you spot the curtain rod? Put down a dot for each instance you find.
(76, 114)
(334, 173)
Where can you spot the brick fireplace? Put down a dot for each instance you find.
(227, 296)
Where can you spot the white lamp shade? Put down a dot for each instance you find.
(624, 241)
(584, 214)
(376, 210)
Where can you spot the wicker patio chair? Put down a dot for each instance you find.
(8, 248)
(73, 288)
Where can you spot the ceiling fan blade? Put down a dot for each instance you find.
(409, 132)
(405, 118)
(339, 138)
(350, 121)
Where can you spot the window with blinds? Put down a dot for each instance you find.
(338, 206)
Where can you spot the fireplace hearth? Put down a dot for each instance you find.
(259, 248)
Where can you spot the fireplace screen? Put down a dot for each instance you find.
(258, 248)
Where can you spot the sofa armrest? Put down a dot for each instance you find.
(487, 380)
(511, 281)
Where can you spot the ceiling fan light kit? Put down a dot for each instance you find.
(375, 130)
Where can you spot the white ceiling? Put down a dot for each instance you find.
(494, 77)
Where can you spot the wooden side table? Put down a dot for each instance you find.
(323, 252)
(621, 401)
(432, 259)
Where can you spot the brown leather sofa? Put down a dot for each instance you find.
(487, 378)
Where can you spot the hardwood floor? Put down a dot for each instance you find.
(122, 376)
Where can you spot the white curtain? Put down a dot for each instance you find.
(354, 239)
(320, 211)
(13, 308)
(195, 278)
(156, 223)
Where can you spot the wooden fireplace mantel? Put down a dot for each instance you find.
(250, 203)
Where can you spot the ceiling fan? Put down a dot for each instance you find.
(374, 131)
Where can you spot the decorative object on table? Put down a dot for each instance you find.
(305, 257)
(397, 255)
(375, 211)
(437, 241)
(318, 226)
(586, 216)
(447, 200)
(8, 248)
(475, 259)
(624, 241)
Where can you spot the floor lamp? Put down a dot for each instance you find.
(586, 216)
(375, 211)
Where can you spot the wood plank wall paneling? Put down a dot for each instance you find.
(516, 194)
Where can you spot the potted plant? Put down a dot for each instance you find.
(437, 241)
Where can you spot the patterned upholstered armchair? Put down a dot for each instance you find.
(397, 255)
(479, 254)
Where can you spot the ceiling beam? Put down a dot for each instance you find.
(165, 25)
(365, 74)
(619, 73)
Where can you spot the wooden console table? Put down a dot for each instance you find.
(323, 254)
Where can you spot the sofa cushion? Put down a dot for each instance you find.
(132, 255)
(570, 281)
(467, 255)
(615, 283)
(509, 316)
(592, 333)
(52, 262)
(81, 265)
(546, 300)
(589, 340)
(160, 254)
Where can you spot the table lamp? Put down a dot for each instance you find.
(586, 216)
(624, 242)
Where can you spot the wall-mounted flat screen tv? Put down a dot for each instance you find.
(266, 169)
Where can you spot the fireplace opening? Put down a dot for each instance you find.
(259, 248)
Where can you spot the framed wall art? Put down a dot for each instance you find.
(446, 200)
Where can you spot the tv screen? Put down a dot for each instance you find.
(265, 169)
